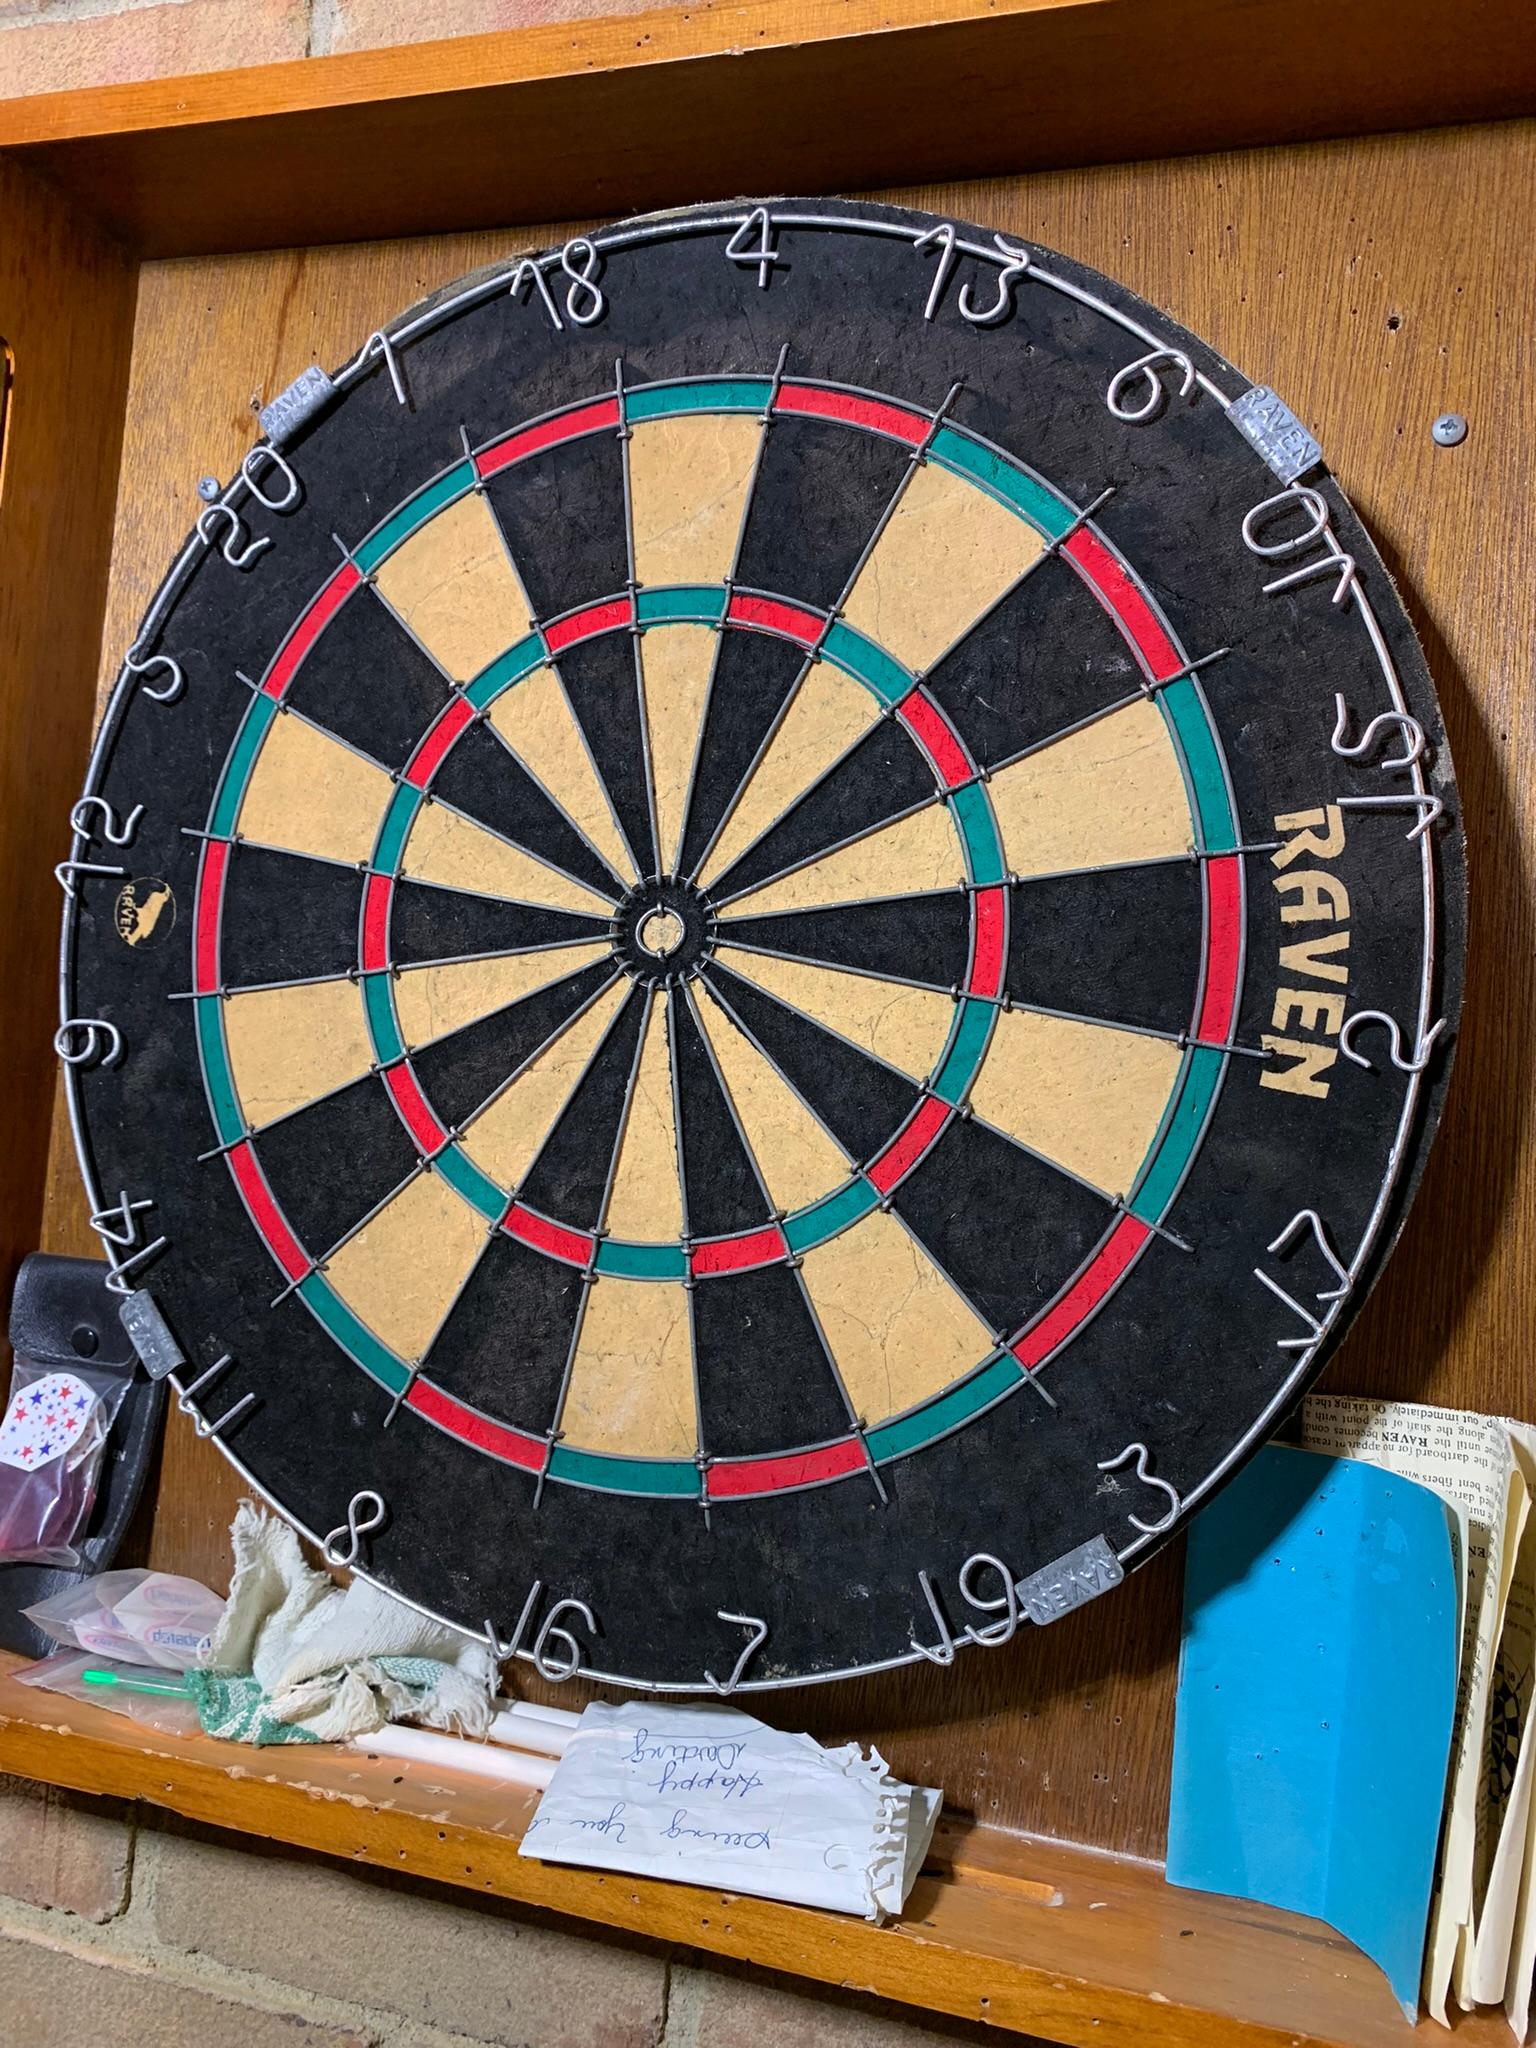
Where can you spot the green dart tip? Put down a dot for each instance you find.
(177, 1692)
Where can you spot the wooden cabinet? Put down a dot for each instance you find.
(172, 254)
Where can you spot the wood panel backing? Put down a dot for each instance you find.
(66, 322)
(1375, 283)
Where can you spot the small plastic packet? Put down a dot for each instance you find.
(139, 1617)
(120, 1688)
(52, 1435)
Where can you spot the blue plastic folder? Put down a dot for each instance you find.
(1316, 1690)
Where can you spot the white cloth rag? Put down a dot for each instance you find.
(314, 1648)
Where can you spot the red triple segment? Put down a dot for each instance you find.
(769, 615)
(1119, 593)
(565, 426)
(210, 894)
(734, 1254)
(436, 741)
(1223, 948)
(936, 736)
(571, 1245)
(413, 1106)
(989, 917)
(909, 1145)
(607, 617)
(870, 413)
(376, 900)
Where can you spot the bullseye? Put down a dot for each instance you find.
(660, 932)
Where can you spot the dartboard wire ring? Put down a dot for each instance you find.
(509, 671)
(715, 613)
(617, 613)
(404, 1389)
(576, 613)
(1185, 671)
(197, 546)
(410, 1368)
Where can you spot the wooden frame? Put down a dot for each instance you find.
(1032, 1937)
(411, 141)
(1372, 281)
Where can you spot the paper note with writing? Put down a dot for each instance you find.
(1471, 1461)
(711, 1796)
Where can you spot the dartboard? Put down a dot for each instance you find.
(760, 945)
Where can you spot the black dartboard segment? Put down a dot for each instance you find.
(763, 942)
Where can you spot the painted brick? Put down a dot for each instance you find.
(477, 1968)
(61, 1850)
(724, 2008)
(374, 24)
(52, 55)
(56, 2000)
(60, 10)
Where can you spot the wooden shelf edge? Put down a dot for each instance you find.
(640, 38)
(631, 112)
(1035, 1937)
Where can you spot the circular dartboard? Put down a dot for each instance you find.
(760, 944)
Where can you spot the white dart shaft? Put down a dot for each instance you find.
(453, 1753)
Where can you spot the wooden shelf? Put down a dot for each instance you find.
(684, 103)
(1028, 1935)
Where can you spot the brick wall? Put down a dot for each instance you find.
(123, 1927)
(48, 45)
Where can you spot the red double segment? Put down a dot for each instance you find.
(565, 426)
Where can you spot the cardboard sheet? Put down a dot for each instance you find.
(1317, 1689)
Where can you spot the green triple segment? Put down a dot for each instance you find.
(1184, 708)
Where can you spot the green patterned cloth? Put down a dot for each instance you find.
(234, 1707)
(296, 1656)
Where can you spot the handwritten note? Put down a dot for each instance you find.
(711, 1796)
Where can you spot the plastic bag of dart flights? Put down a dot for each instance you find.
(52, 1436)
(141, 1617)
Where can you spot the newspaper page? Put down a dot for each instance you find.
(1522, 1951)
(1469, 1460)
(1500, 1855)
(1511, 1760)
